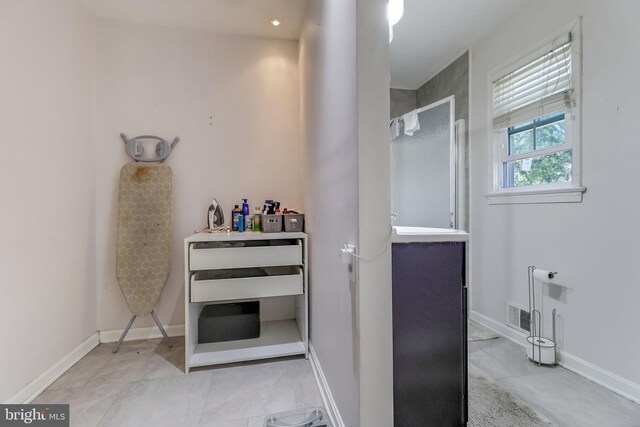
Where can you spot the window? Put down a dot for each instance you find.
(535, 128)
(537, 153)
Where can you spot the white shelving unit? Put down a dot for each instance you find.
(281, 256)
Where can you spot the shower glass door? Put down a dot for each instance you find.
(423, 170)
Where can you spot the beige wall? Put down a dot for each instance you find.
(169, 82)
(47, 250)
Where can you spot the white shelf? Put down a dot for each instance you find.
(247, 235)
(277, 339)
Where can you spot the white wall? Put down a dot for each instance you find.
(47, 252)
(344, 68)
(329, 122)
(594, 244)
(169, 82)
(374, 207)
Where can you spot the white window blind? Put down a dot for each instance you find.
(538, 88)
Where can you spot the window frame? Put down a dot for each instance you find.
(506, 157)
(499, 139)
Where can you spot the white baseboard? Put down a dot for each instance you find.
(588, 370)
(606, 379)
(141, 333)
(325, 391)
(499, 328)
(44, 380)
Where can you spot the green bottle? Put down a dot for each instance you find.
(257, 219)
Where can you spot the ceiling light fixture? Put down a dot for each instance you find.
(275, 22)
(395, 10)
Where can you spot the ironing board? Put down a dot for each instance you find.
(143, 257)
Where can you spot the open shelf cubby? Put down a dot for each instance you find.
(222, 268)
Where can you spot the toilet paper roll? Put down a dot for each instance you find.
(544, 276)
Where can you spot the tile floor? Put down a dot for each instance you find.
(144, 385)
(565, 398)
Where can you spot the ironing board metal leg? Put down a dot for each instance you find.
(164, 334)
(124, 334)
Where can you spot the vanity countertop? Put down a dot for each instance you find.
(402, 234)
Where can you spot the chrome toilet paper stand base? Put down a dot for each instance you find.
(535, 325)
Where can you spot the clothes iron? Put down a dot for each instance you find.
(215, 218)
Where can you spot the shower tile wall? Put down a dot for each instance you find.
(453, 80)
(402, 101)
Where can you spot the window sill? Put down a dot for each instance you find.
(557, 195)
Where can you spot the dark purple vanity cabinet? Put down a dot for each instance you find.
(429, 334)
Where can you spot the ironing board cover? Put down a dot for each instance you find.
(143, 258)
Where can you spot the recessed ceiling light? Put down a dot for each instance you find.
(275, 22)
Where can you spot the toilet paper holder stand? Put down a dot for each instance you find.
(545, 348)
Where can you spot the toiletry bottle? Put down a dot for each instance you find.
(248, 222)
(257, 219)
(241, 223)
(236, 213)
(245, 207)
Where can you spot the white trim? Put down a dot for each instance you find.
(325, 392)
(499, 328)
(602, 377)
(536, 153)
(555, 195)
(44, 380)
(573, 125)
(450, 98)
(461, 174)
(588, 370)
(401, 86)
(453, 163)
(141, 333)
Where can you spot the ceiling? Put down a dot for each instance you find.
(242, 17)
(432, 33)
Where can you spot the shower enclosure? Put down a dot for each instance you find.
(424, 170)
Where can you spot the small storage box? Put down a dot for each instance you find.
(293, 223)
(272, 223)
(229, 322)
